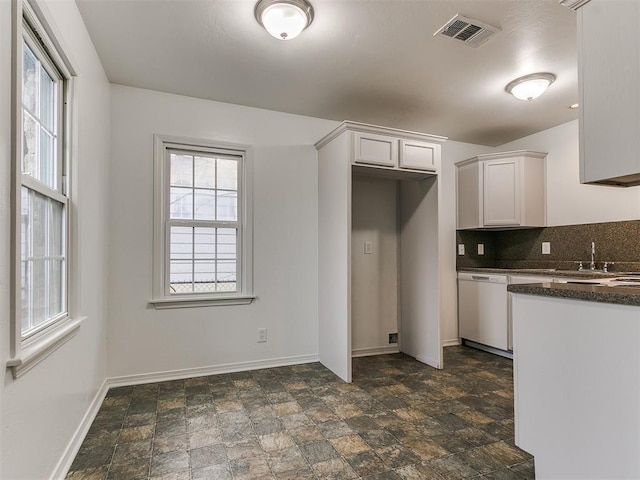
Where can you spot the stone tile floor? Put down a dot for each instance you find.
(399, 419)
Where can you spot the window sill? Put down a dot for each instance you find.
(164, 303)
(34, 353)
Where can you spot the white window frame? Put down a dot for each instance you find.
(161, 298)
(31, 23)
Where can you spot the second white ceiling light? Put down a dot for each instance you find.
(284, 19)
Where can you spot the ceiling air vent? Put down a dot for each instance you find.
(472, 32)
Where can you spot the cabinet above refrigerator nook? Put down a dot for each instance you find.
(501, 191)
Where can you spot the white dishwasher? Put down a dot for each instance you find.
(482, 309)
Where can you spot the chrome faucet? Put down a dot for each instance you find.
(592, 265)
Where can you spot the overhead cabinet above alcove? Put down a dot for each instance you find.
(403, 162)
(502, 190)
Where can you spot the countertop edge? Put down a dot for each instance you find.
(589, 293)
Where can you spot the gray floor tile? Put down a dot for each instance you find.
(398, 420)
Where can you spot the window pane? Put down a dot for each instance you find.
(56, 229)
(29, 79)
(181, 170)
(227, 263)
(56, 281)
(181, 277)
(38, 292)
(25, 294)
(205, 204)
(227, 243)
(227, 174)
(205, 243)
(204, 276)
(205, 172)
(181, 203)
(30, 137)
(47, 101)
(226, 276)
(47, 174)
(40, 221)
(181, 243)
(181, 260)
(227, 206)
(25, 224)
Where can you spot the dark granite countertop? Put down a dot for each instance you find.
(590, 293)
(546, 272)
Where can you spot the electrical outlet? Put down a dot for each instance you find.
(546, 248)
(262, 335)
(368, 248)
(461, 249)
(393, 337)
(481, 249)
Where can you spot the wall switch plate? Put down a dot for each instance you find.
(368, 248)
(546, 248)
(481, 249)
(393, 338)
(461, 249)
(262, 335)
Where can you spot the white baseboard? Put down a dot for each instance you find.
(78, 437)
(206, 371)
(451, 343)
(366, 352)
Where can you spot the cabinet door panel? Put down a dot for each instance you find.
(502, 193)
(418, 155)
(374, 149)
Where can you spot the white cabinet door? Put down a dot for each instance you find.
(501, 192)
(418, 155)
(374, 149)
(609, 73)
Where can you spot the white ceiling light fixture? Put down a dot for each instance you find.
(530, 86)
(284, 19)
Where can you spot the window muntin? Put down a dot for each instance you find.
(43, 201)
(203, 227)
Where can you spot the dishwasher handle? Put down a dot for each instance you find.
(479, 277)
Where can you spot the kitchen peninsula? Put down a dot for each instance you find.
(577, 379)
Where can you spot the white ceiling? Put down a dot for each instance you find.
(373, 61)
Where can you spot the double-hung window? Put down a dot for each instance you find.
(40, 213)
(202, 249)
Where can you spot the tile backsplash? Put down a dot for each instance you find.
(617, 242)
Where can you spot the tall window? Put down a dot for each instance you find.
(41, 120)
(43, 197)
(201, 224)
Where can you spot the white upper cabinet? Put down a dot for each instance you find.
(609, 75)
(374, 149)
(388, 152)
(503, 190)
(419, 155)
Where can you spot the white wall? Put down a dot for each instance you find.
(143, 340)
(374, 276)
(41, 411)
(568, 201)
